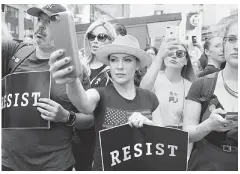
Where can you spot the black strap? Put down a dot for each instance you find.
(209, 84)
(104, 69)
(22, 54)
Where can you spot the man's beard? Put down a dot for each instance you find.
(45, 46)
(42, 42)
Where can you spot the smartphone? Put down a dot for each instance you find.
(172, 32)
(194, 40)
(64, 36)
(232, 116)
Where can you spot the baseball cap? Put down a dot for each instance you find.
(47, 9)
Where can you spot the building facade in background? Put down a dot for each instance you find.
(21, 24)
(18, 21)
(109, 11)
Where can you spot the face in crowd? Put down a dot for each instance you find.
(151, 52)
(231, 45)
(123, 67)
(98, 38)
(178, 59)
(42, 34)
(215, 49)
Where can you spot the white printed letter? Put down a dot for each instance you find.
(126, 152)
(36, 95)
(172, 149)
(159, 147)
(138, 150)
(16, 100)
(114, 155)
(149, 149)
(25, 99)
(9, 100)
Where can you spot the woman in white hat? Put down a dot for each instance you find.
(118, 103)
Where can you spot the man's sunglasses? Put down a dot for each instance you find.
(180, 54)
(100, 37)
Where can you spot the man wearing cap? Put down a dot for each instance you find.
(118, 103)
(48, 149)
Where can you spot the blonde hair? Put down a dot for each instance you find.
(87, 49)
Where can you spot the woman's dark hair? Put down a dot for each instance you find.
(187, 70)
(151, 47)
(120, 29)
(206, 46)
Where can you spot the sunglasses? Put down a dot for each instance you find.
(100, 37)
(180, 54)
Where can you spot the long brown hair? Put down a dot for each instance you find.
(187, 71)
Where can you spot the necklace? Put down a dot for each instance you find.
(228, 89)
(181, 117)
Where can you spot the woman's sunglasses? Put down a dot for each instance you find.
(180, 54)
(100, 37)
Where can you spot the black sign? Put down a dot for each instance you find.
(150, 148)
(20, 93)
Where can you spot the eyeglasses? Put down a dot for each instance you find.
(231, 40)
(180, 54)
(100, 37)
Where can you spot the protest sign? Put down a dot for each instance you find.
(149, 148)
(20, 93)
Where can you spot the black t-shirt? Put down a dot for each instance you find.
(209, 69)
(38, 149)
(9, 48)
(95, 72)
(113, 110)
(195, 94)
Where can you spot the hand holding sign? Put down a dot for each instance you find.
(52, 111)
(21, 92)
(137, 120)
(150, 148)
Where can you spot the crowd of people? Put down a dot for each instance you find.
(120, 76)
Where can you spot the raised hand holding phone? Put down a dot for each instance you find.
(65, 39)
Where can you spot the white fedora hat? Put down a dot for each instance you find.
(124, 45)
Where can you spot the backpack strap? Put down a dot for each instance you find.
(208, 87)
(103, 70)
(109, 79)
(209, 84)
(22, 54)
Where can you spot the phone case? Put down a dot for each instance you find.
(232, 116)
(171, 32)
(64, 36)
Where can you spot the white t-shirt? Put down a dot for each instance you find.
(229, 103)
(171, 99)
